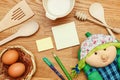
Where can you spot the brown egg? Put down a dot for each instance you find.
(16, 69)
(10, 57)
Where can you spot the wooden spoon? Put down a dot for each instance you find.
(96, 10)
(26, 30)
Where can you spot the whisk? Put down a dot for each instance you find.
(83, 17)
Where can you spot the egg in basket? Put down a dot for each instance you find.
(16, 63)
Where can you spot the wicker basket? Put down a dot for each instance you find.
(29, 63)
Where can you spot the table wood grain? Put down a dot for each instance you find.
(69, 55)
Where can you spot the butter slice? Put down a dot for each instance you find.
(44, 44)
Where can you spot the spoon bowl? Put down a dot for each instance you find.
(96, 10)
(28, 29)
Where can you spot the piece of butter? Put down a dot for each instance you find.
(44, 44)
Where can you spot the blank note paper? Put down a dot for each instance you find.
(65, 35)
(44, 44)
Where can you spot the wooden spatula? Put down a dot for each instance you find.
(16, 15)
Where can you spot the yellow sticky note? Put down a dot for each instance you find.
(65, 35)
(44, 44)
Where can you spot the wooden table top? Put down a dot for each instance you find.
(69, 55)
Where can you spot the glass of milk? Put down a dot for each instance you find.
(57, 8)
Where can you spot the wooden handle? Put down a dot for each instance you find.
(105, 25)
(8, 39)
(109, 30)
(94, 21)
(4, 24)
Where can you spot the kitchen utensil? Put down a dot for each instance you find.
(26, 30)
(96, 10)
(83, 16)
(16, 15)
(57, 8)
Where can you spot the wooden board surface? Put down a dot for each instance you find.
(68, 56)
